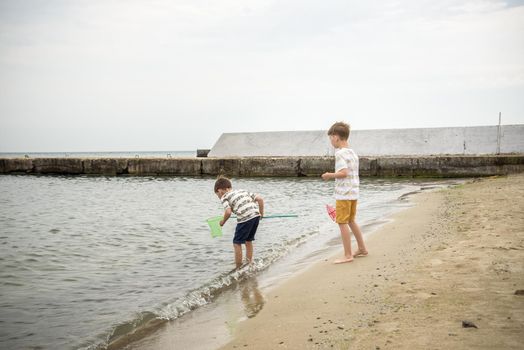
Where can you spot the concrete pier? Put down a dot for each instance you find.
(475, 140)
(431, 152)
(406, 166)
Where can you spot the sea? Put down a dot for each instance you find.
(135, 154)
(86, 261)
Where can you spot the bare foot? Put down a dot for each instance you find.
(361, 253)
(343, 260)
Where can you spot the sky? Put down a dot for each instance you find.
(155, 75)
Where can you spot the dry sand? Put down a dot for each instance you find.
(457, 255)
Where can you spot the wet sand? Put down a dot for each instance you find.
(457, 255)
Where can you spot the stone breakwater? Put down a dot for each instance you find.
(428, 166)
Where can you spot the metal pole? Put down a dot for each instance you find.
(498, 133)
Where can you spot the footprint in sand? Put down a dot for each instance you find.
(435, 262)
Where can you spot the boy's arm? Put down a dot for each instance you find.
(342, 173)
(227, 215)
(260, 202)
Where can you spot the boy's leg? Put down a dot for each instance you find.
(241, 235)
(346, 242)
(238, 254)
(342, 218)
(249, 251)
(361, 251)
(251, 237)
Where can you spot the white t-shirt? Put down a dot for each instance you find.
(346, 188)
(242, 203)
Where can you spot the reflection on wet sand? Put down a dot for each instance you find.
(251, 296)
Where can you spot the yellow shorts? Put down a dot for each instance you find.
(346, 211)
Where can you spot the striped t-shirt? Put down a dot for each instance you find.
(347, 187)
(242, 203)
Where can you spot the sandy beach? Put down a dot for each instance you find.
(455, 258)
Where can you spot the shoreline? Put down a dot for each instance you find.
(412, 291)
(450, 258)
(381, 199)
(244, 299)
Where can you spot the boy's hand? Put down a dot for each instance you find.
(326, 176)
(227, 214)
(260, 202)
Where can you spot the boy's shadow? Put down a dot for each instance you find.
(252, 298)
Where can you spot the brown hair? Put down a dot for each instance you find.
(222, 183)
(340, 129)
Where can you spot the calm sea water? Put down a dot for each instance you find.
(86, 259)
(141, 154)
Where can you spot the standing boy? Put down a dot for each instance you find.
(244, 205)
(346, 190)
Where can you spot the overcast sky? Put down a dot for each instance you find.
(122, 75)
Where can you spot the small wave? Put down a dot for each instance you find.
(208, 292)
(148, 321)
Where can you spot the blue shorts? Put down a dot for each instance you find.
(245, 231)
